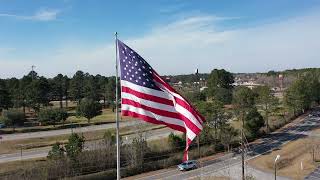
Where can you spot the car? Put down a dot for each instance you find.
(2, 125)
(188, 165)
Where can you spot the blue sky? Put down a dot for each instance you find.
(175, 36)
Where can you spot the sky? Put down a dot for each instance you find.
(174, 36)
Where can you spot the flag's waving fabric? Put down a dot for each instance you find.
(145, 95)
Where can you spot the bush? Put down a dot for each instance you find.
(74, 146)
(176, 142)
(56, 152)
(13, 118)
(52, 116)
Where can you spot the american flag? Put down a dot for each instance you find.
(145, 95)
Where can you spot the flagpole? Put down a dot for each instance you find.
(117, 111)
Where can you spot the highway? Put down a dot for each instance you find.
(89, 145)
(230, 164)
(41, 134)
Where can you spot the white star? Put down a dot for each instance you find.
(132, 67)
(122, 52)
(124, 60)
(132, 75)
(125, 48)
(129, 62)
(147, 79)
(125, 76)
(126, 57)
(150, 72)
(130, 78)
(133, 57)
(144, 74)
(139, 69)
(139, 77)
(131, 51)
(129, 70)
(144, 83)
(137, 81)
(136, 72)
(125, 68)
(149, 67)
(127, 73)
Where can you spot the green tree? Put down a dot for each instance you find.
(243, 102)
(220, 85)
(16, 94)
(253, 122)
(74, 146)
(297, 96)
(266, 99)
(215, 117)
(38, 93)
(91, 87)
(77, 86)
(88, 108)
(59, 88)
(56, 152)
(5, 98)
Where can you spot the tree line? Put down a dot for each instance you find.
(34, 91)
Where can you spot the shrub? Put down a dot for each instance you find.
(176, 142)
(74, 145)
(56, 152)
(52, 116)
(13, 117)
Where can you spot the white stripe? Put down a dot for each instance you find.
(148, 103)
(190, 134)
(188, 115)
(146, 90)
(192, 117)
(144, 112)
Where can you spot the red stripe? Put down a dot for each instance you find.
(184, 103)
(151, 109)
(188, 108)
(152, 120)
(147, 96)
(190, 124)
(187, 121)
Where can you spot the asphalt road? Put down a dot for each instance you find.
(19, 136)
(229, 165)
(89, 145)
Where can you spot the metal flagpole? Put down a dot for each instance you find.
(117, 111)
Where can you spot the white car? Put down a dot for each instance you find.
(188, 165)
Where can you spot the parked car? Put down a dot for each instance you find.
(188, 165)
(2, 125)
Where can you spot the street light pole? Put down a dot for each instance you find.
(275, 166)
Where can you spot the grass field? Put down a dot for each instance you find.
(107, 116)
(27, 144)
(292, 155)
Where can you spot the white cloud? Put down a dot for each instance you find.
(195, 42)
(41, 15)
